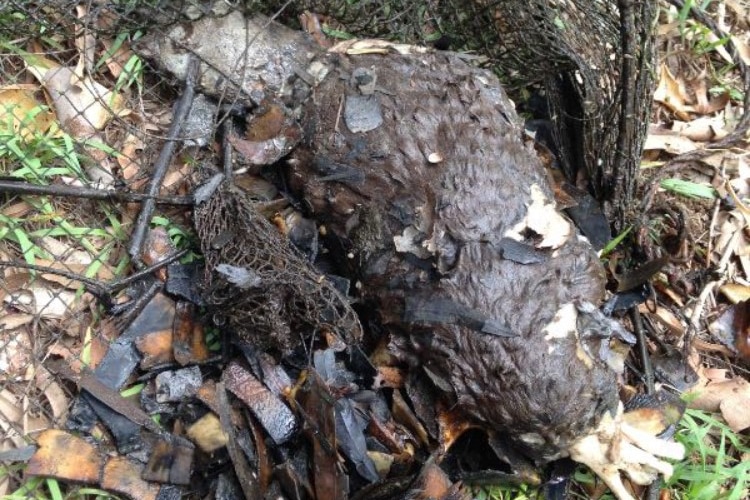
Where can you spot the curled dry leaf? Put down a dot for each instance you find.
(704, 105)
(372, 46)
(703, 129)
(82, 105)
(26, 115)
(671, 93)
(730, 396)
(669, 141)
(11, 418)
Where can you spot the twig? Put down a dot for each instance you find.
(627, 122)
(695, 317)
(102, 291)
(648, 370)
(226, 149)
(247, 479)
(22, 187)
(109, 397)
(162, 163)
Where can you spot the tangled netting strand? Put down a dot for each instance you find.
(289, 299)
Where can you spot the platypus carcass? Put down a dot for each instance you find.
(417, 164)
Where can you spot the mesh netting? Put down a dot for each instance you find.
(268, 291)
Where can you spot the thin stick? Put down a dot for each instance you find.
(162, 163)
(22, 187)
(102, 291)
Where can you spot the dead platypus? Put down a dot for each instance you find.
(413, 162)
(417, 164)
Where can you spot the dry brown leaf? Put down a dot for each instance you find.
(85, 42)
(72, 258)
(177, 180)
(43, 300)
(671, 93)
(56, 398)
(742, 48)
(704, 105)
(20, 107)
(727, 396)
(667, 29)
(670, 142)
(34, 421)
(737, 163)
(10, 419)
(61, 266)
(129, 158)
(83, 107)
(708, 347)
(16, 352)
(735, 292)
(66, 352)
(703, 129)
(64, 456)
(12, 321)
(9, 411)
(19, 209)
(664, 288)
(741, 12)
(736, 412)
(729, 226)
(117, 59)
(664, 316)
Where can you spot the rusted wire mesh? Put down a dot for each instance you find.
(79, 108)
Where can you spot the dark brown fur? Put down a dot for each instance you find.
(435, 104)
